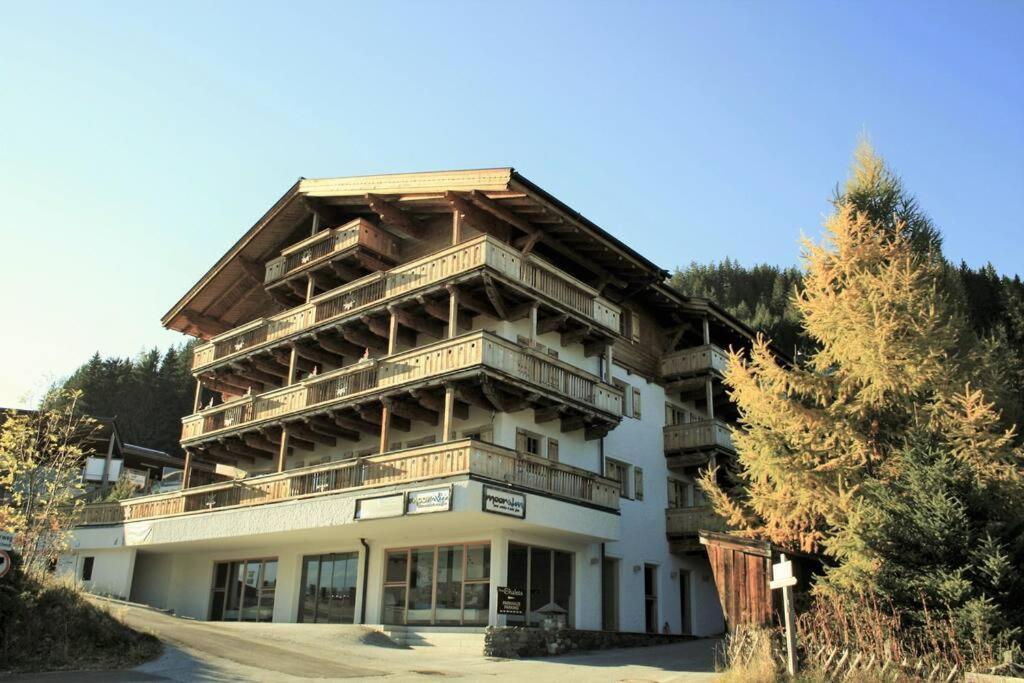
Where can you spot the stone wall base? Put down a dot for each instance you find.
(520, 641)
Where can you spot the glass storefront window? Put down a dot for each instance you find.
(544, 575)
(243, 590)
(448, 584)
(329, 588)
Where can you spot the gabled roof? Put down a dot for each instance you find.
(231, 293)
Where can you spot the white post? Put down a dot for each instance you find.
(782, 578)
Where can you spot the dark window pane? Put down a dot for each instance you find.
(310, 579)
(220, 575)
(477, 603)
(563, 580)
(217, 608)
(540, 581)
(250, 591)
(517, 578)
(449, 584)
(478, 562)
(397, 562)
(269, 581)
(87, 564)
(421, 586)
(394, 605)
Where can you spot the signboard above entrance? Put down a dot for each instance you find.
(437, 499)
(380, 507)
(504, 502)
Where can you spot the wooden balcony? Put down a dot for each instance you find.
(416, 465)
(688, 521)
(699, 435)
(328, 245)
(476, 352)
(529, 274)
(699, 360)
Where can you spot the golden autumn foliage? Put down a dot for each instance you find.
(886, 366)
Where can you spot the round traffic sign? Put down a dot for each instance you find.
(5, 563)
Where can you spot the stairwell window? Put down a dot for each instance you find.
(636, 403)
(87, 563)
(638, 483)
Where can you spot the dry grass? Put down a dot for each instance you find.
(748, 656)
(834, 636)
(46, 624)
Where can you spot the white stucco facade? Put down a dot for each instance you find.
(170, 562)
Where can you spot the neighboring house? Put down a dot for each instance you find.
(107, 458)
(430, 386)
(111, 459)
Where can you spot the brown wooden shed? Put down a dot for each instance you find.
(742, 568)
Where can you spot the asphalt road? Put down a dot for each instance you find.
(213, 652)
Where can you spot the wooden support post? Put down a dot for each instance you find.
(310, 287)
(385, 428)
(453, 313)
(534, 308)
(707, 331)
(105, 482)
(709, 396)
(456, 227)
(197, 401)
(392, 333)
(293, 361)
(448, 428)
(608, 363)
(186, 474)
(282, 451)
(316, 223)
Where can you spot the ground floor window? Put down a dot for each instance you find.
(243, 590)
(545, 575)
(443, 584)
(329, 588)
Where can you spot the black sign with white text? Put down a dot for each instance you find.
(511, 600)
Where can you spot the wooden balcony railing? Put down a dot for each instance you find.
(314, 250)
(475, 349)
(688, 521)
(694, 361)
(353, 298)
(414, 465)
(698, 435)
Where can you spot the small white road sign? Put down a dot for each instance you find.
(6, 540)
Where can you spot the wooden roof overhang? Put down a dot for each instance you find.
(498, 201)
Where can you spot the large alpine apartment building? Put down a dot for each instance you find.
(414, 389)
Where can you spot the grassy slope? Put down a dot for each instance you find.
(47, 625)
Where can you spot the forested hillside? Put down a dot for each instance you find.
(148, 394)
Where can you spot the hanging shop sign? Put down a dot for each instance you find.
(504, 502)
(437, 499)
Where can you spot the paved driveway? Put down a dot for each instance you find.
(211, 651)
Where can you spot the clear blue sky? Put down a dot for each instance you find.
(138, 141)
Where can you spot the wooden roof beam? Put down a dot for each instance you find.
(393, 216)
(207, 326)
